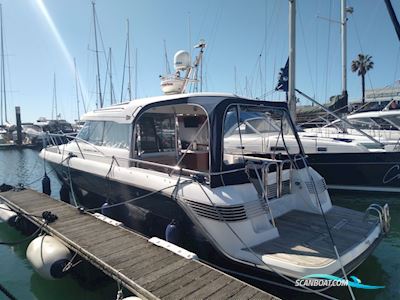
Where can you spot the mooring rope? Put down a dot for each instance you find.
(7, 293)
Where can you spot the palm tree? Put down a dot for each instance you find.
(362, 64)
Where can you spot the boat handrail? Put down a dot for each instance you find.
(262, 159)
(263, 181)
(72, 137)
(145, 162)
(155, 164)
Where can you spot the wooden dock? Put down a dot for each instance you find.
(148, 271)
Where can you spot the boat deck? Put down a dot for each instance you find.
(304, 239)
(149, 271)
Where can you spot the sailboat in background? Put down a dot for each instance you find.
(237, 207)
(55, 125)
(6, 128)
(346, 163)
(79, 98)
(127, 60)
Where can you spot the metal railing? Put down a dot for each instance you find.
(267, 190)
(116, 158)
(383, 215)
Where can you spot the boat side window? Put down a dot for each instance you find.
(383, 124)
(156, 133)
(173, 135)
(92, 132)
(395, 120)
(106, 133)
(116, 135)
(363, 123)
(254, 130)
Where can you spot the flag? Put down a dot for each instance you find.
(283, 80)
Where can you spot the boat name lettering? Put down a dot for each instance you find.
(392, 174)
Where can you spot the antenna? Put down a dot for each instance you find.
(174, 83)
(97, 54)
(167, 68)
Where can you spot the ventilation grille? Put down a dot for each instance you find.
(286, 187)
(231, 213)
(255, 208)
(272, 191)
(320, 186)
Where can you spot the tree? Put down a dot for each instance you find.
(362, 64)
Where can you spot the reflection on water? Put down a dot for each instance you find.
(27, 168)
(16, 274)
(382, 267)
(24, 166)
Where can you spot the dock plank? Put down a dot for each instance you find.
(211, 288)
(153, 264)
(244, 293)
(204, 280)
(147, 270)
(152, 282)
(228, 291)
(124, 254)
(180, 283)
(164, 273)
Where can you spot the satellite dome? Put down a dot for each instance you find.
(181, 60)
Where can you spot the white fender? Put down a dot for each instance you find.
(6, 214)
(48, 256)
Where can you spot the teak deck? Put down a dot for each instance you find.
(304, 238)
(149, 271)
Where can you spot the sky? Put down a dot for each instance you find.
(247, 44)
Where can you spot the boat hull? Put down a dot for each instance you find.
(151, 215)
(368, 171)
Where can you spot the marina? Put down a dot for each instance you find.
(24, 283)
(188, 192)
(127, 257)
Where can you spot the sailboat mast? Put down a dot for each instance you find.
(54, 99)
(97, 55)
(393, 17)
(111, 85)
(3, 76)
(129, 62)
(292, 59)
(136, 73)
(343, 25)
(77, 90)
(235, 78)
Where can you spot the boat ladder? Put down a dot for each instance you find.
(383, 214)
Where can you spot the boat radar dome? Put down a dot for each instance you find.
(182, 60)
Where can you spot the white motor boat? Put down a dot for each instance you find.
(384, 126)
(253, 211)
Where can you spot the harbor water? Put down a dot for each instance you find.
(16, 275)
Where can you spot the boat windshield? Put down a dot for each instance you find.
(394, 120)
(367, 123)
(257, 130)
(106, 133)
